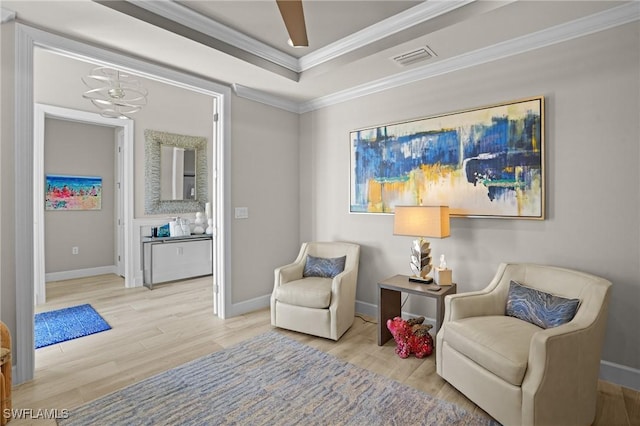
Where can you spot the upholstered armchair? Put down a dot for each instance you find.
(314, 295)
(519, 372)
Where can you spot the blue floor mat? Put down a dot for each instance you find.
(65, 324)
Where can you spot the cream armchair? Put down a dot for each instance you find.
(314, 305)
(519, 373)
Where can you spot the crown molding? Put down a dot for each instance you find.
(192, 19)
(6, 15)
(265, 98)
(392, 25)
(578, 28)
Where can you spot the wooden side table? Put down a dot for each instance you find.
(389, 301)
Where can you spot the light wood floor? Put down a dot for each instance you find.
(155, 330)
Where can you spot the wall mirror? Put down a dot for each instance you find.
(176, 177)
(177, 173)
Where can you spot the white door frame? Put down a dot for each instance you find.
(121, 220)
(41, 112)
(26, 39)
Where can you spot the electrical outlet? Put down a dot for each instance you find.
(74, 250)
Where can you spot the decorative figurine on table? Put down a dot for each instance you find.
(411, 336)
(199, 224)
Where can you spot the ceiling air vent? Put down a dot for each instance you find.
(418, 55)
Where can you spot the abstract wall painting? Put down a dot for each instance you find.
(64, 192)
(483, 162)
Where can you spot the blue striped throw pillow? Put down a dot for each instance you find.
(539, 308)
(323, 267)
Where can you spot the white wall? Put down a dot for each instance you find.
(591, 87)
(264, 178)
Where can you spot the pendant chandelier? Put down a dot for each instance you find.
(115, 93)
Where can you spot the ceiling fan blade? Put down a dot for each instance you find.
(293, 17)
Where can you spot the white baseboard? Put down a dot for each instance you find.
(372, 311)
(249, 305)
(80, 273)
(620, 375)
(138, 280)
(367, 309)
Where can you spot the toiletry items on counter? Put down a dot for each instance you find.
(160, 231)
(179, 227)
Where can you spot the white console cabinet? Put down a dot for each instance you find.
(176, 258)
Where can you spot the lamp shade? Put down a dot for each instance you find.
(421, 221)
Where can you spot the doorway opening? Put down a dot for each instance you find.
(26, 221)
(122, 189)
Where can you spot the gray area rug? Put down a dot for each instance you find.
(270, 380)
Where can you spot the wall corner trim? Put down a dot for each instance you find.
(6, 15)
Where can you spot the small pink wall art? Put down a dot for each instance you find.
(65, 192)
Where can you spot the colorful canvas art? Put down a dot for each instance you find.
(73, 192)
(485, 162)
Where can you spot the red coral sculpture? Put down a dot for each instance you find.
(411, 336)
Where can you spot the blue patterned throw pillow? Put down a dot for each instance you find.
(539, 308)
(322, 267)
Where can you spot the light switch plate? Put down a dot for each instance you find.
(242, 213)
